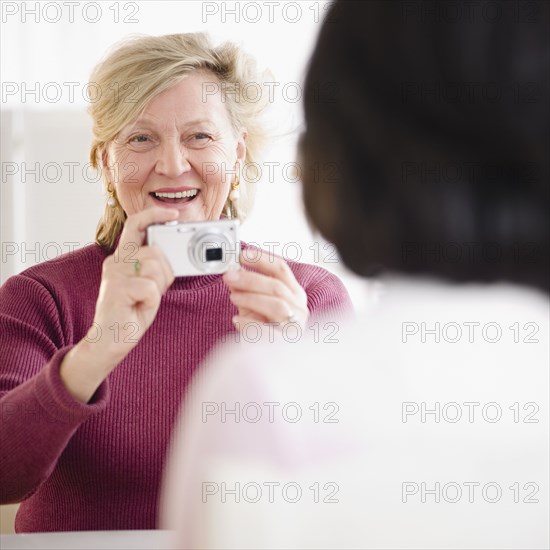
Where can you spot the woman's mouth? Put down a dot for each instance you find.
(180, 197)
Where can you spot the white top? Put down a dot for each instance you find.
(424, 426)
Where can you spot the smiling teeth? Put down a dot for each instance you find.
(181, 195)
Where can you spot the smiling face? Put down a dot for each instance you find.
(181, 152)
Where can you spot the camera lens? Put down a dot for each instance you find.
(214, 254)
(213, 247)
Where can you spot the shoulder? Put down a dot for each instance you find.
(310, 275)
(423, 338)
(77, 271)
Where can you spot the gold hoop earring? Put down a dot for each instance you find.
(111, 201)
(235, 193)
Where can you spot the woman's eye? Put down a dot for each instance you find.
(141, 138)
(201, 137)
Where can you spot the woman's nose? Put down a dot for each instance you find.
(173, 160)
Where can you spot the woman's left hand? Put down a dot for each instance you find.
(269, 294)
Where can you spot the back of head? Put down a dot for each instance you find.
(428, 138)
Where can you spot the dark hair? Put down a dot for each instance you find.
(427, 142)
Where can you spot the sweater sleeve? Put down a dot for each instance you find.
(38, 416)
(328, 299)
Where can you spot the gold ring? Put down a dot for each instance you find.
(136, 267)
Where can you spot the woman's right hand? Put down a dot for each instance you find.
(127, 305)
(133, 281)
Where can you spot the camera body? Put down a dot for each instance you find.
(197, 248)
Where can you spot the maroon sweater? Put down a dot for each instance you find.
(98, 466)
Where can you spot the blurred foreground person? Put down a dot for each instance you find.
(425, 424)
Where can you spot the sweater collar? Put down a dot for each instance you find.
(195, 282)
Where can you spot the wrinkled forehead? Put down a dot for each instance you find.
(197, 97)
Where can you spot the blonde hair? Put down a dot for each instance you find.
(140, 68)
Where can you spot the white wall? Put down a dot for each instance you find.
(49, 49)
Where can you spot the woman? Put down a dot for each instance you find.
(427, 425)
(97, 346)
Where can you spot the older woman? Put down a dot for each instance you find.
(97, 347)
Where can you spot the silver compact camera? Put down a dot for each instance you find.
(197, 248)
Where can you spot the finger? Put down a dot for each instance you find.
(270, 265)
(241, 322)
(155, 260)
(250, 281)
(151, 264)
(135, 227)
(270, 307)
(166, 267)
(152, 268)
(245, 312)
(143, 291)
(251, 315)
